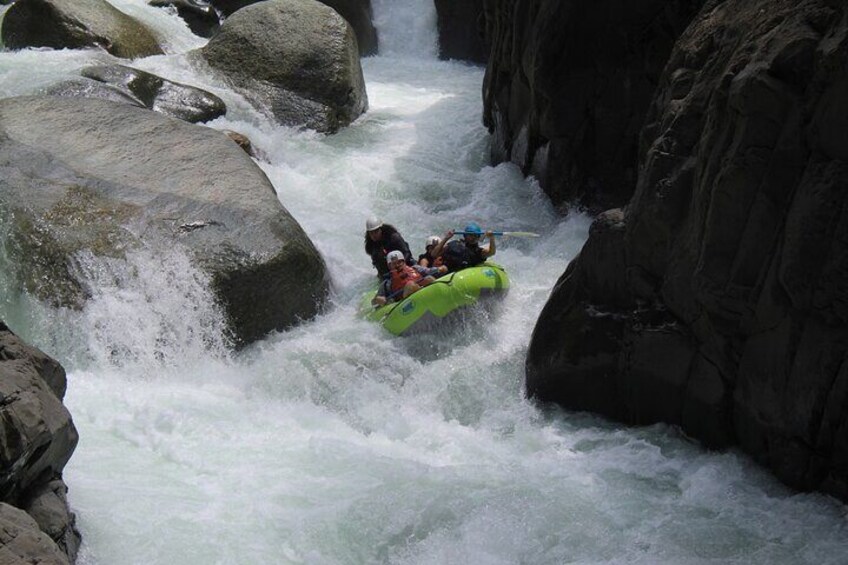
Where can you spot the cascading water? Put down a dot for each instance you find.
(336, 443)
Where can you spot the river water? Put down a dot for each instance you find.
(334, 443)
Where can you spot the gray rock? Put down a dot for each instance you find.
(86, 174)
(181, 101)
(721, 303)
(38, 433)
(358, 14)
(568, 85)
(22, 542)
(296, 59)
(76, 24)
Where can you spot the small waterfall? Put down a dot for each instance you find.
(407, 28)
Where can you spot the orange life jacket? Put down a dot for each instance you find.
(403, 277)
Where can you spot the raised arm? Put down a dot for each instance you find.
(437, 251)
(491, 248)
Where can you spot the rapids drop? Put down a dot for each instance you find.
(334, 443)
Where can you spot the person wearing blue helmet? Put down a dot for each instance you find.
(468, 252)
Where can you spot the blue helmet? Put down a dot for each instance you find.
(473, 229)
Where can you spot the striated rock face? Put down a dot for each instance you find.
(38, 440)
(717, 301)
(80, 174)
(462, 27)
(567, 87)
(358, 14)
(75, 24)
(296, 59)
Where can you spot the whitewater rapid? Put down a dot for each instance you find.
(335, 443)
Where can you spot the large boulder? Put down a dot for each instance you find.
(358, 14)
(462, 30)
(568, 85)
(38, 440)
(296, 59)
(75, 24)
(96, 176)
(718, 301)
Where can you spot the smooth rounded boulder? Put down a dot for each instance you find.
(295, 59)
(87, 175)
(76, 24)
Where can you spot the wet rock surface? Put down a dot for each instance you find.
(716, 300)
(77, 24)
(201, 17)
(86, 176)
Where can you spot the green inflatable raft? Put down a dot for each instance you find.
(435, 301)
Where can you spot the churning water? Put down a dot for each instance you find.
(335, 443)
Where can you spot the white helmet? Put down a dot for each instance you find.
(433, 240)
(373, 223)
(394, 256)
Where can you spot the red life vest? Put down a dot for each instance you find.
(403, 277)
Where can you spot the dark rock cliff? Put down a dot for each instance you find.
(718, 299)
(567, 87)
(462, 27)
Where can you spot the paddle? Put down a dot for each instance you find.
(501, 233)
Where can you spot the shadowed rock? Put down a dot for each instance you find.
(568, 85)
(717, 301)
(462, 27)
(296, 59)
(85, 174)
(76, 24)
(201, 17)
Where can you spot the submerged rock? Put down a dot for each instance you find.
(718, 302)
(296, 59)
(96, 176)
(201, 17)
(75, 24)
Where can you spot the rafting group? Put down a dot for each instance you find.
(400, 275)
(451, 273)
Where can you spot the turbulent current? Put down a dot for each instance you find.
(335, 443)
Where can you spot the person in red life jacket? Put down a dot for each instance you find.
(426, 259)
(468, 252)
(380, 239)
(403, 279)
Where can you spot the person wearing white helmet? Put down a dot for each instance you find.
(380, 239)
(426, 259)
(403, 279)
